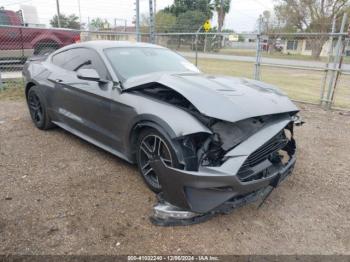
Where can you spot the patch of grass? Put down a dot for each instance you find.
(298, 84)
(12, 90)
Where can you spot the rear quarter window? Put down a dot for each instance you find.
(59, 59)
(73, 58)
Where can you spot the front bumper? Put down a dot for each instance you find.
(212, 189)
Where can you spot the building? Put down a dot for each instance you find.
(302, 46)
(119, 33)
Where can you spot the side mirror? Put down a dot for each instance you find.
(88, 74)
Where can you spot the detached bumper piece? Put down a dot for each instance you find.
(166, 214)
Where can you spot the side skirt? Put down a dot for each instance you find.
(92, 141)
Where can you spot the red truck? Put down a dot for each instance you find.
(17, 42)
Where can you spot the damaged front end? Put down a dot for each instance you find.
(237, 164)
(246, 148)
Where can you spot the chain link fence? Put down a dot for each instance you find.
(284, 60)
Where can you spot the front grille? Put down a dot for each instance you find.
(275, 144)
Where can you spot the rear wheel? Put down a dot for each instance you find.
(37, 109)
(151, 145)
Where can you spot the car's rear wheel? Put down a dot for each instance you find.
(152, 144)
(37, 109)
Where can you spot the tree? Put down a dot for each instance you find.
(165, 22)
(310, 16)
(190, 21)
(222, 11)
(70, 21)
(182, 6)
(99, 23)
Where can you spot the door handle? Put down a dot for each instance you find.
(59, 80)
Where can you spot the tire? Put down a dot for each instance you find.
(165, 151)
(37, 109)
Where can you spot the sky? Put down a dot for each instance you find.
(241, 18)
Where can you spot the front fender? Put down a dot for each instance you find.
(175, 125)
(176, 122)
(146, 111)
(169, 127)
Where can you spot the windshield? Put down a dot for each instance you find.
(135, 61)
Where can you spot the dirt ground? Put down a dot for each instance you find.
(61, 195)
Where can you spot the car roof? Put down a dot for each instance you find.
(103, 44)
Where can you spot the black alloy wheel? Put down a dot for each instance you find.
(35, 108)
(153, 145)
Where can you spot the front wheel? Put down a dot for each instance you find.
(152, 144)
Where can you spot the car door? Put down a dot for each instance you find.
(84, 106)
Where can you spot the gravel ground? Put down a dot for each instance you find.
(61, 195)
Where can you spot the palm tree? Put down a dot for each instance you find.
(222, 7)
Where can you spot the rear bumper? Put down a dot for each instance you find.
(213, 189)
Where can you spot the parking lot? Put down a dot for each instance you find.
(61, 195)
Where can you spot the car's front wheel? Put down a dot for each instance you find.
(152, 144)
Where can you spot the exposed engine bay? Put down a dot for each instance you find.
(201, 149)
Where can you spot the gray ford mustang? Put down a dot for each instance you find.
(206, 144)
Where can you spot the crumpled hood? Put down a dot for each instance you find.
(226, 98)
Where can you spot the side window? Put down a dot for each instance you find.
(76, 58)
(73, 59)
(95, 63)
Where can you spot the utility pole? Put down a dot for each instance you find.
(138, 38)
(58, 13)
(221, 38)
(79, 13)
(258, 50)
(151, 22)
(155, 19)
(222, 13)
